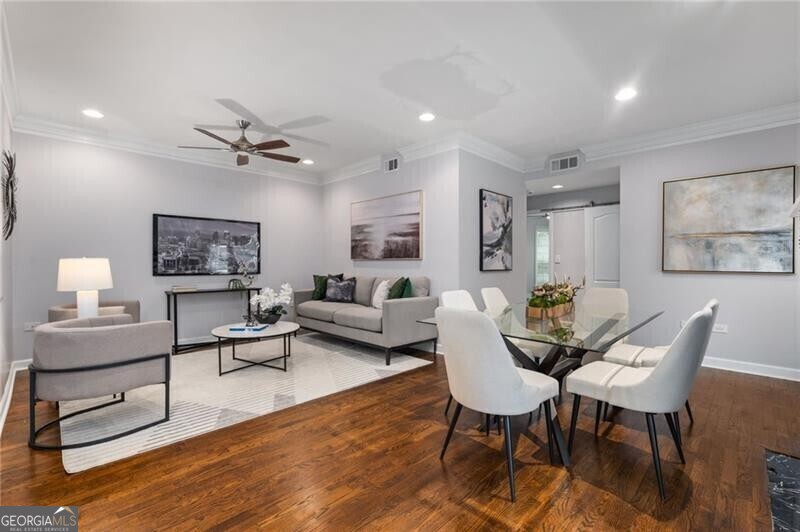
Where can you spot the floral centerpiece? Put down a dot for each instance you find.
(271, 305)
(553, 300)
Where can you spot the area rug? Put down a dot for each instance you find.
(202, 401)
(783, 473)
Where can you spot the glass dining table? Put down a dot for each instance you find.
(564, 339)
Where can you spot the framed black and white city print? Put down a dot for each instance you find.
(496, 244)
(738, 222)
(188, 245)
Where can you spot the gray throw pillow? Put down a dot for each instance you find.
(340, 291)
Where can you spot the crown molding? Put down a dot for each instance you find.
(43, 128)
(8, 78)
(771, 117)
(429, 148)
(371, 164)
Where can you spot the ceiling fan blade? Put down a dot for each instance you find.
(306, 139)
(308, 121)
(217, 127)
(213, 136)
(202, 148)
(279, 157)
(271, 145)
(242, 159)
(239, 109)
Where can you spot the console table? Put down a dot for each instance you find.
(172, 311)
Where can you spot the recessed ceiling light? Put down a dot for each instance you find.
(308, 161)
(427, 117)
(92, 113)
(625, 94)
(558, 186)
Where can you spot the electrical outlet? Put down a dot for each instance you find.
(721, 328)
(31, 325)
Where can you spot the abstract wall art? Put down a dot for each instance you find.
(387, 228)
(495, 231)
(737, 222)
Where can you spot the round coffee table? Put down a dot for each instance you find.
(282, 329)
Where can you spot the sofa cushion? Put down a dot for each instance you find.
(397, 289)
(420, 286)
(321, 310)
(321, 284)
(378, 280)
(363, 295)
(366, 318)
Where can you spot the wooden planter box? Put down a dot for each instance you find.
(536, 313)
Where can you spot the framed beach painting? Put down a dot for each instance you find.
(737, 222)
(496, 244)
(387, 228)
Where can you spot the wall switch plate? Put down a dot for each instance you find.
(557, 259)
(31, 325)
(721, 328)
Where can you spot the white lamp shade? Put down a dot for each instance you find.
(84, 274)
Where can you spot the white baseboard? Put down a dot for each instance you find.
(753, 368)
(8, 391)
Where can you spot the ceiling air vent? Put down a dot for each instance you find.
(390, 165)
(565, 162)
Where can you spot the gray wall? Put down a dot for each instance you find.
(437, 177)
(761, 311)
(574, 198)
(476, 173)
(82, 200)
(6, 284)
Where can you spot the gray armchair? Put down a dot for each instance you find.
(97, 357)
(69, 311)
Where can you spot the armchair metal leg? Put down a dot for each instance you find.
(450, 430)
(509, 457)
(576, 405)
(388, 356)
(651, 429)
(675, 436)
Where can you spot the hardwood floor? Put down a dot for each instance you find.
(368, 458)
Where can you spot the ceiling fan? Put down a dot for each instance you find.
(243, 148)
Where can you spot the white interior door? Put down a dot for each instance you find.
(601, 226)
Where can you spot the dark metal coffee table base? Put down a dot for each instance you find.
(287, 352)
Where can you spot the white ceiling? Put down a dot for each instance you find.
(576, 180)
(534, 79)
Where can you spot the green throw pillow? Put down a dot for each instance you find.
(397, 289)
(407, 289)
(321, 285)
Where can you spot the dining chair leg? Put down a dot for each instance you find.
(576, 405)
(689, 411)
(676, 438)
(449, 402)
(451, 429)
(605, 411)
(651, 429)
(509, 456)
(677, 419)
(530, 418)
(497, 420)
(487, 424)
(550, 439)
(597, 416)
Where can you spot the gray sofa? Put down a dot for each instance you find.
(391, 327)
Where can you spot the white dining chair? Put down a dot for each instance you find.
(483, 378)
(663, 389)
(649, 357)
(460, 299)
(496, 304)
(600, 303)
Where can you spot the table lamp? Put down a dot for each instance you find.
(85, 276)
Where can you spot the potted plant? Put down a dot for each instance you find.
(553, 300)
(270, 305)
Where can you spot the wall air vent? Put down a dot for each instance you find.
(391, 165)
(565, 162)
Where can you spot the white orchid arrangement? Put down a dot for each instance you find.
(272, 302)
